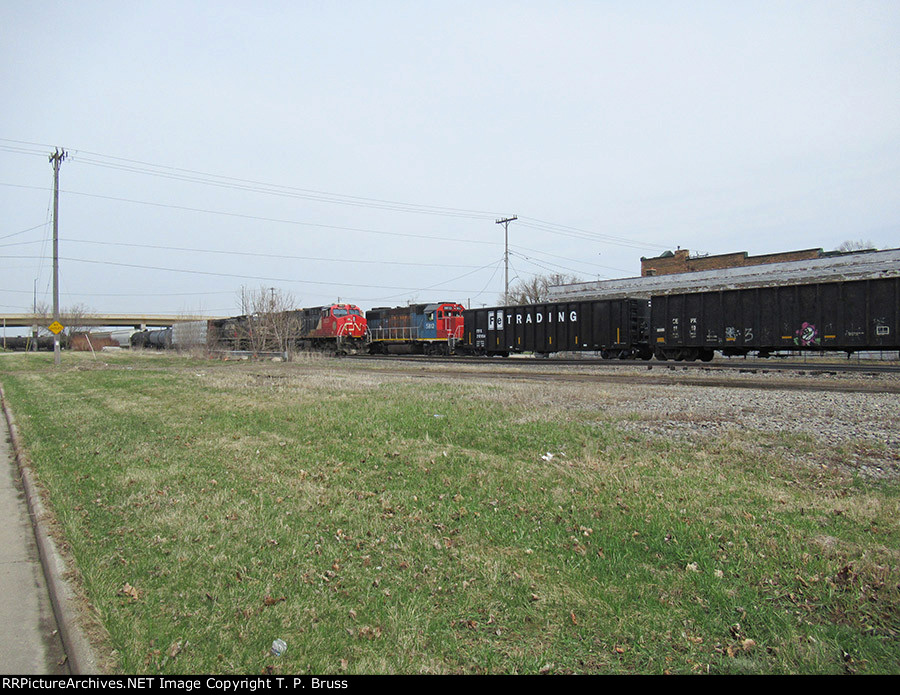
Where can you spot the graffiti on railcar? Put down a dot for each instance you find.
(807, 335)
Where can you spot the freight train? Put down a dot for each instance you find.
(862, 315)
(837, 316)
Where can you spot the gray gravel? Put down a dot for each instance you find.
(856, 431)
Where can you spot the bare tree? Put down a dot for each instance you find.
(272, 322)
(73, 318)
(42, 315)
(537, 289)
(858, 245)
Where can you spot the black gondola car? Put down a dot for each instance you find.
(613, 327)
(838, 316)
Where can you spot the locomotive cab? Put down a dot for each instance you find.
(348, 321)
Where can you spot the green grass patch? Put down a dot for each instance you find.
(381, 524)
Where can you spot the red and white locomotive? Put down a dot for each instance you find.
(339, 326)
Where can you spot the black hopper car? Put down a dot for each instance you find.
(614, 327)
(859, 315)
(841, 316)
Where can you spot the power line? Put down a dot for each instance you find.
(575, 260)
(126, 294)
(260, 218)
(218, 180)
(433, 287)
(250, 254)
(490, 280)
(308, 258)
(258, 277)
(24, 231)
(576, 233)
(545, 267)
(304, 194)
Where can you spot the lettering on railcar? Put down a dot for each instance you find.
(496, 319)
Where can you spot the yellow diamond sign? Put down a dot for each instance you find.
(56, 327)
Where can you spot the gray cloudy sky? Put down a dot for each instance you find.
(364, 150)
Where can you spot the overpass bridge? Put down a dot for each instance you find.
(139, 321)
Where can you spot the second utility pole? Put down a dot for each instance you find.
(505, 222)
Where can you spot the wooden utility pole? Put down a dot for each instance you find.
(505, 222)
(56, 159)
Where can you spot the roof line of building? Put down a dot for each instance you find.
(852, 266)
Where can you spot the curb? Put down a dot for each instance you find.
(79, 653)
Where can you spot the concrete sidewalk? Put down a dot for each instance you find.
(30, 642)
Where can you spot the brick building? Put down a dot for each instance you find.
(682, 262)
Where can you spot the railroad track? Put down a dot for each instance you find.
(739, 365)
(799, 377)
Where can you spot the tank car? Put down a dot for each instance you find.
(160, 339)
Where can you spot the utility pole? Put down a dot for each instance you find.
(56, 159)
(34, 325)
(505, 222)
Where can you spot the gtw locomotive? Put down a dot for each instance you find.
(429, 329)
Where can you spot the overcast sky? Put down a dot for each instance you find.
(365, 150)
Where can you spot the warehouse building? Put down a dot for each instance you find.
(828, 267)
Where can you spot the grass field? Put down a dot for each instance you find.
(386, 524)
